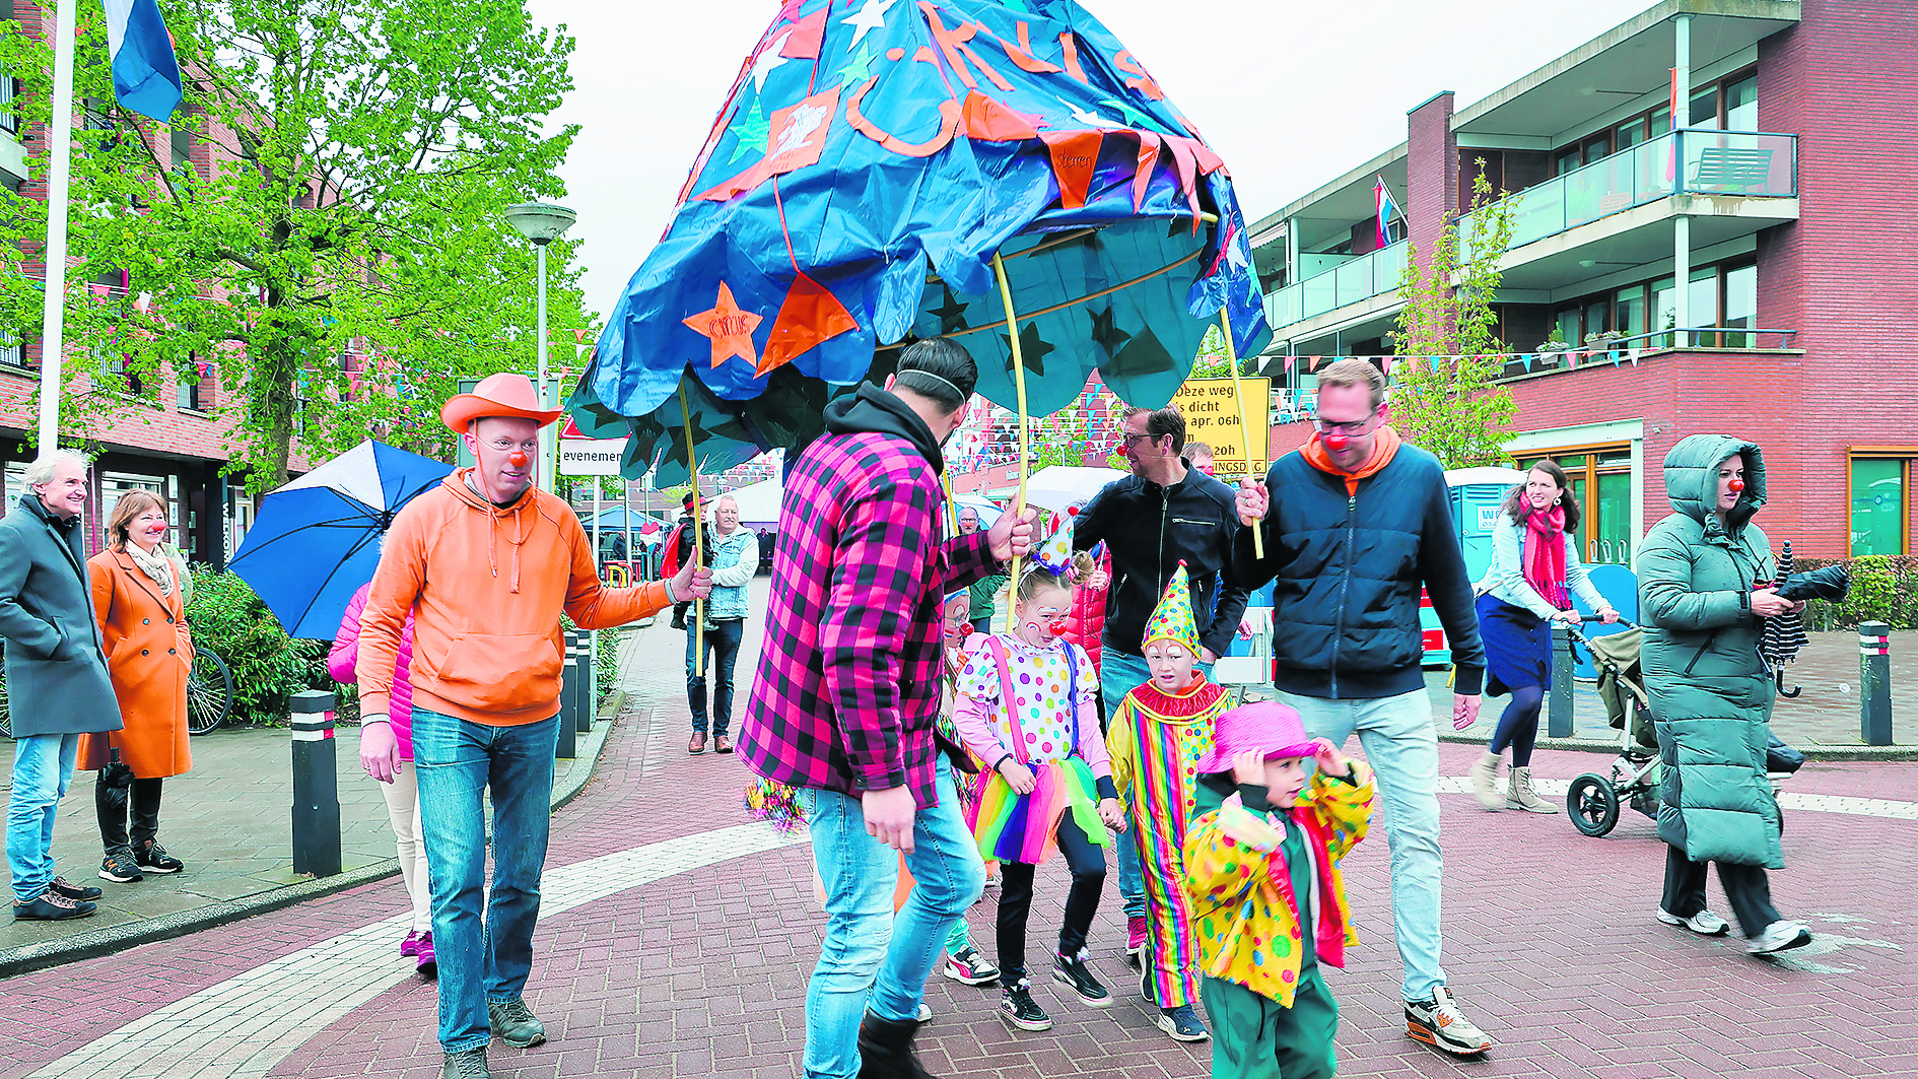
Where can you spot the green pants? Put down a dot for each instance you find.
(1253, 1037)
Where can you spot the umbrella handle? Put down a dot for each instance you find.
(1245, 424)
(1787, 693)
(1019, 383)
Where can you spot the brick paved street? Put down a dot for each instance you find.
(689, 958)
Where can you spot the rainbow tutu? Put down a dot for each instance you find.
(1024, 827)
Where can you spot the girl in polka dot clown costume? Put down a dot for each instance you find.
(1277, 814)
(1026, 708)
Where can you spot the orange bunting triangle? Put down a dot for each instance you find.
(809, 315)
(1074, 154)
(729, 328)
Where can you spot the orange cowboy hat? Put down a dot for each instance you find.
(504, 394)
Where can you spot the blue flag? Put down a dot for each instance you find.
(146, 75)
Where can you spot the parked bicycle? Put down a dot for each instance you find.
(209, 694)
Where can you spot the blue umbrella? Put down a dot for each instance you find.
(316, 540)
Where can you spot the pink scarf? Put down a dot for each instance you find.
(1545, 555)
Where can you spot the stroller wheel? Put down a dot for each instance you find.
(1592, 804)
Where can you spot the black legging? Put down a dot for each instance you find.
(1518, 727)
(1088, 865)
(111, 804)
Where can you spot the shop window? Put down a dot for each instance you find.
(1601, 480)
(1878, 504)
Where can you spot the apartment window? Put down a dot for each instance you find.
(13, 351)
(190, 386)
(1664, 310)
(1704, 110)
(1741, 306)
(1741, 104)
(114, 485)
(1628, 306)
(1879, 482)
(182, 144)
(1601, 481)
(1629, 133)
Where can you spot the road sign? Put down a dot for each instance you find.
(590, 456)
(1212, 417)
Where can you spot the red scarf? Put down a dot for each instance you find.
(1545, 555)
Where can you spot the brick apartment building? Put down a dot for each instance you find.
(1785, 203)
(175, 448)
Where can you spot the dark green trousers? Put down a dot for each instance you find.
(1253, 1037)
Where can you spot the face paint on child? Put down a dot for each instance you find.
(1042, 618)
(1171, 665)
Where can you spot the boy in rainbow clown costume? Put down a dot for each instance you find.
(1262, 863)
(1156, 739)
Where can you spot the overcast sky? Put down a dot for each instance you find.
(1289, 93)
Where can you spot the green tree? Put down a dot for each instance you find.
(1451, 405)
(351, 263)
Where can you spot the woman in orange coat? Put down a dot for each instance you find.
(137, 597)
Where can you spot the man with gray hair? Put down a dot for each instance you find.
(56, 675)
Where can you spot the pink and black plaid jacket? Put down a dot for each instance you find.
(848, 683)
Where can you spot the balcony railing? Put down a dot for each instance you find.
(1695, 161)
(1349, 282)
(1616, 350)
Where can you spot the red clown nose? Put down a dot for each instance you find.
(517, 458)
(1335, 443)
(1737, 485)
(1057, 626)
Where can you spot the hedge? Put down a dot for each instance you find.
(267, 665)
(1884, 588)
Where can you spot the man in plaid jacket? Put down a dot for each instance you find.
(848, 690)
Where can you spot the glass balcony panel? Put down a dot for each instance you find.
(1388, 266)
(1321, 294)
(1354, 280)
(1739, 163)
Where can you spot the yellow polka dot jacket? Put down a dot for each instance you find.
(1248, 919)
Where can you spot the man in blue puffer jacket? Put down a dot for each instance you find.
(734, 558)
(1359, 523)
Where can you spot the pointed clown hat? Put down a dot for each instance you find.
(1056, 553)
(1172, 618)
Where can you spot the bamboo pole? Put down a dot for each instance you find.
(1019, 383)
(1245, 425)
(699, 545)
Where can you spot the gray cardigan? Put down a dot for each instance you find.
(1506, 578)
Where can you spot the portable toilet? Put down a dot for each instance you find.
(1476, 496)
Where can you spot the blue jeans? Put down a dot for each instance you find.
(1119, 674)
(456, 761)
(872, 958)
(722, 653)
(42, 772)
(1402, 746)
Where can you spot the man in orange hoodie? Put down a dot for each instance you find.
(486, 562)
(1359, 522)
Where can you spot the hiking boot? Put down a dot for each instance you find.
(698, 743)
(1484, 779)
(1018, 1008)
(74, 891)
(429, 965)
(967, 967)
(1522, 796)
(515, 1023)
(1438, 1022)
(118, 866)
(51, 906)
(468, 1065)
(1183, 1024)
(1779, 936)
(1134, 938)
(885, 1049)
(1071, 971)
(1704, 923)
(151, 857)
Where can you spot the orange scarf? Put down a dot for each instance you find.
(1385, 446)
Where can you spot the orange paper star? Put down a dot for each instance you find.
(730, 328)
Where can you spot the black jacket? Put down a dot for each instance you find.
(1150, 529)
(1348, 569)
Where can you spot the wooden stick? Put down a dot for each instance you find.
(1245, 424)
(1019, 383)
(699, 546)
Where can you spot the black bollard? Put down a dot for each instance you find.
(1559, 723)
(316, 787)
(566, 746)
(588, 685)
(1874, 683)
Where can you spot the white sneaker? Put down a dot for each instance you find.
(1780, 936)
(924, 1015)
(1704, 923)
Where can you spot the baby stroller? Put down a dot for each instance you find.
(1593, 800)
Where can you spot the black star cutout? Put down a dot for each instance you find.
(1106, 331)
(1032, 350)
(952, 313)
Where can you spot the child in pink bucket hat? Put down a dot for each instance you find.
(1262, 865)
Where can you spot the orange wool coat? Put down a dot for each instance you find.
(148, 655)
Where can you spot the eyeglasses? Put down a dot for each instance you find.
(1355, 427)
(1132, 440)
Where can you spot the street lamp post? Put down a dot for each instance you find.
(542, 223)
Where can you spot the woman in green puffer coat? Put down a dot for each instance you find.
(1705, 587)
